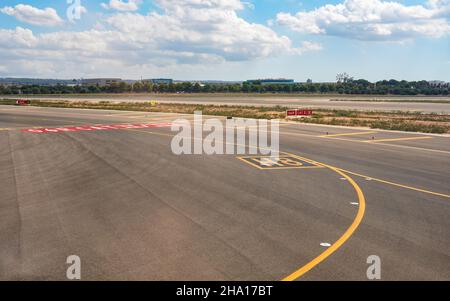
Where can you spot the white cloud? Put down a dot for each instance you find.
(33, 15)
(17, 38)
(186, 33)
(130, 5)
(209, 29)
(308, 46)
(373, 20)
(172, 5)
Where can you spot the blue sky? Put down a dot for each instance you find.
(226, 39)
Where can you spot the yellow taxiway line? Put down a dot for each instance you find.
(379, 142)
(396, 184)
(347, 234)
(397, 139)
(348, 134)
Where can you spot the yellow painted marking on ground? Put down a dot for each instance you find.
(283, 162)
(148, 118)
(386, 182)
(415, 147)
(347, 234)
(397, 139)
(155, 117)
(124, 114)
(356, 222)
(391, 145)
(347, 171)
(396, 184)
(343, 139)
(152, 133)
(348, 134)
(359, 141)
(293, 167)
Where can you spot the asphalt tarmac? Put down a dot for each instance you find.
(131, 209)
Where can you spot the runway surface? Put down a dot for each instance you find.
(132, 210)
(429, 104)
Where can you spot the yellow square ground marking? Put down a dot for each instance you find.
(281, 162)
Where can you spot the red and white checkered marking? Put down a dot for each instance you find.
(97, 128)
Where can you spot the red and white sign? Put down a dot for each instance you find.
(22, 102)
(299, 113)
(97, 128)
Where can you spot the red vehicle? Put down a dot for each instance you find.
(22, 102)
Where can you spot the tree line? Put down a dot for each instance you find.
(347, 86)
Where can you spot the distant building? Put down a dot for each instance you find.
(309, 81)
(160, 81)
(100, 81)
(270, 81)
(438, 84)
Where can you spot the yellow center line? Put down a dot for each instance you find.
(383, 181)
(341, 139)
(415, 147)
(149, 132)
(395, 184)
(347, 234)
(381, 143)
(349, 134)
(124, 114)
(397, 139)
